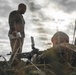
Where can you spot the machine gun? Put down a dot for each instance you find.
(28, 55)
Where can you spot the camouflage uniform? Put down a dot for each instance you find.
(62, 56)
(16, 23)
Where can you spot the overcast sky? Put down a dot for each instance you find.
(43, 18)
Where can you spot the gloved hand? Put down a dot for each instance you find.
(14, 33)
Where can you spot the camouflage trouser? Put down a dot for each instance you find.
(16, 45)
